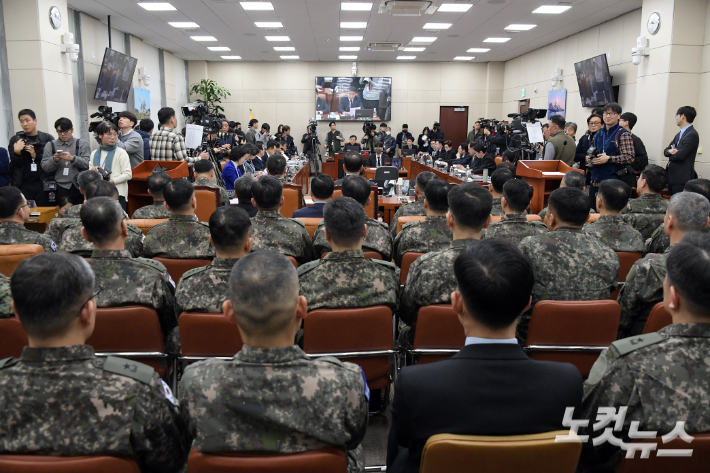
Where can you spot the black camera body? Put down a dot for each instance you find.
(312, 126)
(592, 152)
(368, 126)
(105, 175)
(30, 141)
(106, 114)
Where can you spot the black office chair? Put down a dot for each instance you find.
(386, 173)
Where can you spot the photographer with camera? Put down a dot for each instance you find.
(131, 140)
(369, 139)
(66, 157)
(492, 138)
(436, 132)
(594, 124)
(111, 161)
(334, 140)
(476, 134)
(559, 146)
(26, 149)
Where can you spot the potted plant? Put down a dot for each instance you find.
(211, 93)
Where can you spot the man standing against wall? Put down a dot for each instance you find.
(681, 152)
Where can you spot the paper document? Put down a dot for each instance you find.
(352, 111)
(535, 132)
(553, 173)
(193, 136)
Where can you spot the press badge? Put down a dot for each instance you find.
(66, 172)
(33, 167)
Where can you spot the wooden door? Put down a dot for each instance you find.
(454, 124)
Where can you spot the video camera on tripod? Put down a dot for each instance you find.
(520, 142)
(368, 126)
(107, 115)
(198, 114)
(314, 155)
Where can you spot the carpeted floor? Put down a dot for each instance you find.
(374, 444)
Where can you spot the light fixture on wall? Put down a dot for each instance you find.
(640, 50)
(354, 70)
(69, 47)
(143, 76)
(556, 77)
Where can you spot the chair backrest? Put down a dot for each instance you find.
(311, 224)
(496, 218)
(324, 460)
(407, 260)
(145, 224)
(626, 261)
(13, 338)
(696, 463)
(593, 217)
(371, 209)
(657, 319)
(203, 334)
(133, 328)
(498, 160)
(386, 173)
(412, 218)
(208, 199)
(177, 267)
(57, 464)
(438, 328)
(293, 199)
(533, 218)
(12, 255)
(535, 453)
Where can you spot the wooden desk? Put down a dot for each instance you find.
(369, 173)
(390, 206)
(533, 172)
(329, 168)
(39, 223)
(302, 178)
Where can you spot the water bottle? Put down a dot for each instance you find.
(485, 175)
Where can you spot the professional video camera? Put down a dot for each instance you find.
(107, 115)
(314, 155)
(520, 143)
(490, 124)
(530, 115)
(368, 126)
(198, 114)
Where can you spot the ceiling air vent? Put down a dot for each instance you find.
(407, 7)
(383, 46)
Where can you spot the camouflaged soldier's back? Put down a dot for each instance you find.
(57, 227)
(73, 211)
(407, 210)
(223, 196)
(645, 213)
(181, 237)
(514, 228)
(432, 234)
(660, 242)
(272, 231)
(377, 239)
(154, 210)
(497, 208)
(5, 297)
(13, 233)
(615, 233)
(73, 242)
(204, 289)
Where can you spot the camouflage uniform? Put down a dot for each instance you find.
(13, 233)
(514, 228)
(204, 289)
(497, 207)
(569, 265)
(432, 234)
(662, 377)
(57, 227)
(137, 281)
(345, 279)
(73, 242)
(311, 403)
(5, 297)
(643, 289)
(272, 231)
(65, 401)
(154, 210)
(645, 213)
(615, 233)
(377, 239)
(181, 237)
(660, 242)
(223, 197)
(407, 210)
(73, 211)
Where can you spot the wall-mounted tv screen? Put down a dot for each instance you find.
(116, 77)
(594, 81)
(353, 98)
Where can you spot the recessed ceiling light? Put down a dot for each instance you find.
(496, 40)
(219, 48)
(478, 50)
(277, 38)
(413, 50)
(406, 57)
(423, 39)
(268, 24)
(231, 57)
(284, 48)
(453, 7)
(183, 24)
(353, 25)
(289, 57)
(257, 5)
(156, 6)
(552, 9)
(349, 48)
(203, 38)
(351, 38)
(519, 27)
(355, 6)
(463, 58)
(347, 57)
(437, 26)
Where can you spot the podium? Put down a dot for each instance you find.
(138, 195)
(544, 177)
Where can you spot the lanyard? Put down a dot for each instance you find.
(607, 140)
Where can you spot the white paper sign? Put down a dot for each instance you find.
(193, 136)
(535, 132)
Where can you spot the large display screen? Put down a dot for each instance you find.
(594, 81)
(116, 77)
(353, 98)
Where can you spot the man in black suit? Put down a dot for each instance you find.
(490, 387)
(352, 100)
(681, 152)
(322, 187)
(322, 106)
(352, 165)
(379, 157)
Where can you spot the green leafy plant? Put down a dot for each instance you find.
(211, 93)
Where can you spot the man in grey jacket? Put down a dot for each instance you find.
(66, 157)
(132, 141)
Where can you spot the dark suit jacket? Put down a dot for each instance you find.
(385, 161)
(680, 165)
(489, 389)
(251, 210)
(344, 105)
(314, 211)
(322, 105)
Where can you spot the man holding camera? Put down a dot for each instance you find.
(334, 140)
(559, 146)
(26, 150)
(66, 157)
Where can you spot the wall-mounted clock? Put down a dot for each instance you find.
(55, 18)
(654, 23)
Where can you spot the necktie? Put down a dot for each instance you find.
(378, 162)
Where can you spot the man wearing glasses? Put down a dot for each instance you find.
(14, 212)
(594, 124)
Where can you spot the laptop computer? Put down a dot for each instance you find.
(397, 162)
(408, 152)
(364, 113)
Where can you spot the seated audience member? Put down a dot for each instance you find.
(234, 169)
(379, 157)
(410, 147)
(415, 208)
(182, 236)
(14, 212)
(490, 387)
(60, 399)
(204, 176)
(276, 167)
(273, 231)
(352, 145)
(271, 149)
(660, 377)
(574, 179)
(507, 164)
(321, 191)
(242, 191)
(687, 212)
(5, 297)
(82, 180)
(462, 157)
(205, 289)
(378, 237)
(252, 166)
(498, 180)
(659, 241)
(259, 159)
(122, 279)
(433, 233)
(352, 166)
(569, 264)
(350, 279)
(156, 183)
(610, 229)
(647, 211)
(514, 225)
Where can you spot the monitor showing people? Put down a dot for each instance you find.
(353, 98)
(594, 81)
(116, 76)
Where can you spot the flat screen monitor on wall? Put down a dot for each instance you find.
(116, 77)
(353, 98)
(594, 81)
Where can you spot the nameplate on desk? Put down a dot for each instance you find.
(553, 173)
(35, 214)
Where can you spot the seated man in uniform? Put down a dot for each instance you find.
(344, 278)
(514, 225)
(205, 289)
(687, 212)
(59, 399)
(82, 180)
(378, 237)
(122, 279)
(156, 184)
(416, 207)
(57, 226)
(433, 233)
(660, 377)
(611, 229)
(570, 179)
(14, 212)
(498, 180)
(242, 191)
(5, 297)
(311, 403)
(181, 237)
(276, 167)
(204, 176)
(647, 211)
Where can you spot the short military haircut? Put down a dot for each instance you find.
(165, 114)
(203, 166)
(48, 306)
(100, 189)
(423, 179)
(614, 107)
(242, 188)
(688, 270)
(507, 165)
(271, 144)
(690, 211)
(358, 188)
(322, 186)
(689, 113)
(558, 120)
(630, 118)
(495, 281)
(230, 226)
(146, 125)
(470, 205)
(102, 217)
(518, 194)
(656, 177)
(267, 192)
(345, 220)
(27, 111)
(615, 194)
(570, 205)
(130, 116)
(157, 182)
(699, 186)
(237, 153)
(352, 162)
(10, 201)
(85, 177)
(178, 194)
(436, 195)
(574, 179)
(276, 164)
(255, 279)
(499, 178)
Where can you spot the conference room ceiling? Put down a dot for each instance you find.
(313, 28)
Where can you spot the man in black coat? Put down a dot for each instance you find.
(594, 124)
(490, 387)
(25, 151)
(681, 152)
